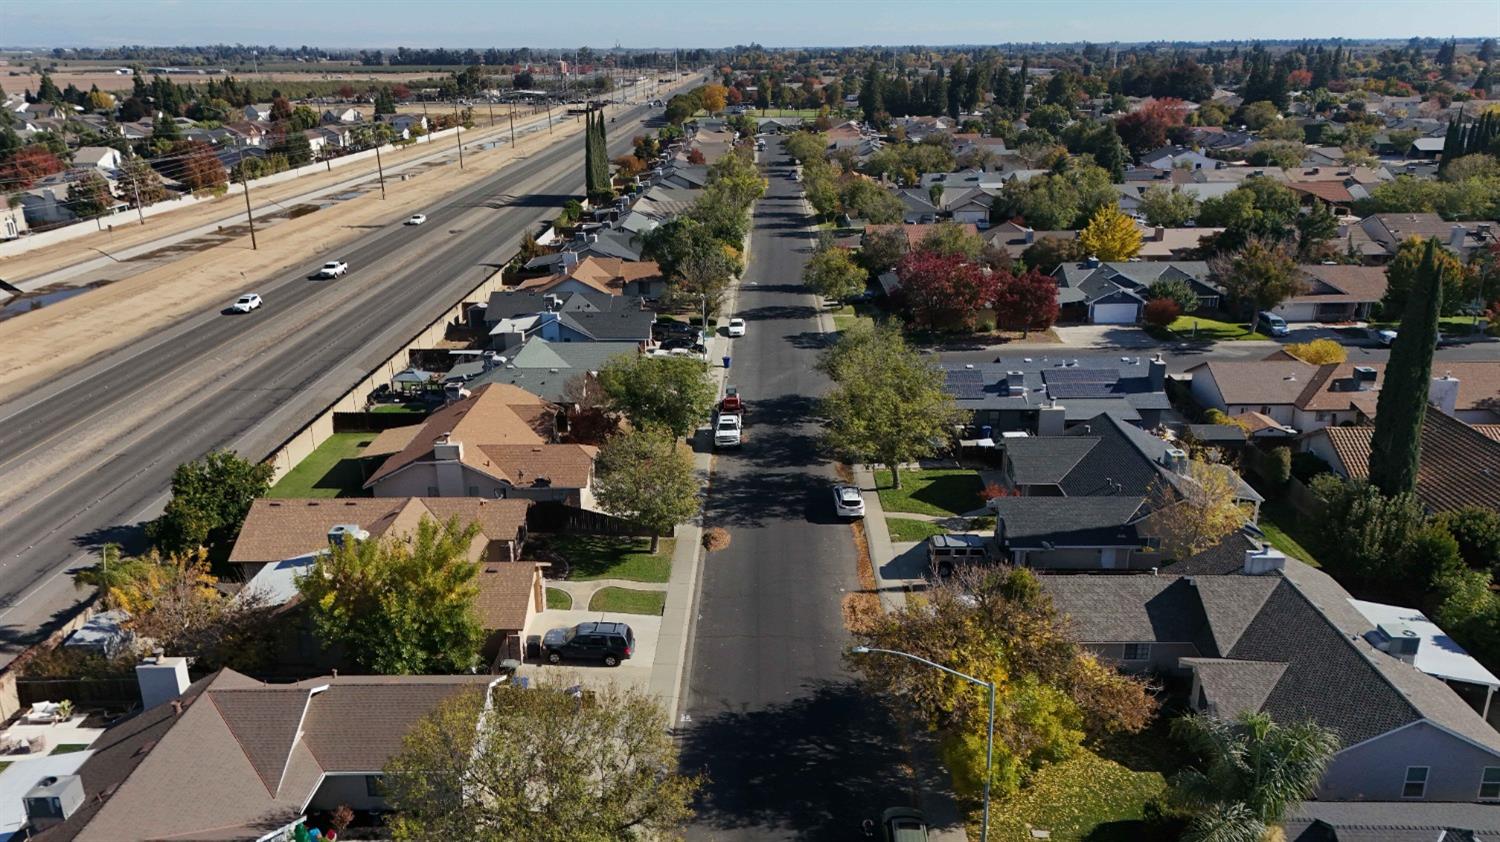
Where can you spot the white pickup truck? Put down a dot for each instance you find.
(333, 269)
(728, 431)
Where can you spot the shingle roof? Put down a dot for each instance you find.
(496, 413)
(1046, 460)
(1417, 821)
(505, 591)
(1231, 686)
(524, 465)
(1035, 522)
(1460, 466)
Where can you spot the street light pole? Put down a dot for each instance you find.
(989, 739)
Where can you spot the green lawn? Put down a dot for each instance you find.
(1085, 798)
(906, 529)
(628, 601)
(1279, 521)
(1448, 325)
(405, 408)
(333, 470)
(613, 557)
(69, 748)
(1213, 330)
(939, 492)
(559, 600)
(847, 316)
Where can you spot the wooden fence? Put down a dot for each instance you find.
(551, 516)
(82, 692)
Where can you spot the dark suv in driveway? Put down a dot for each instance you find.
(607, 642)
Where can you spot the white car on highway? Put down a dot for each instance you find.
(333, 269)
(848, 501)
(245, 303)
(416, 219)
(736, 327)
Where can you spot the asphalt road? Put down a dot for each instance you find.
(246, 382)
(792, 749)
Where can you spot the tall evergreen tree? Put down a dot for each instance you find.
(1395, 447)
(590, 176)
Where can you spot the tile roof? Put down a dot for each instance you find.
(279, 529)
(1460, 466)
(608, 275)
(496, 413)
(505, 593)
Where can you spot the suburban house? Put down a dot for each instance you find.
(496, 443)
(343, 115)
(914, 233)
(1178, 157)
(1335, 294)
(278, 531)
(1016, 238)
(229, 757)
(1388, 230)
(12, 222)
(1460, 465)
(513, 316)
(105, 160)
(1132, 191)
(1285, 639)
(1114, 293)
(608, 275)
(1307, 397)
(404, 124)
(245, 133)
(258, 113)
(546, 369)
(1083, 500)
(1045, 396)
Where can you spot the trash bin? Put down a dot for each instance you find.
(533, 647)
(986, 432)
(726, 362)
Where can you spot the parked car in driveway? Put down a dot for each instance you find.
(246, 303)
(848, 501)
(333, 269)
(610, 643)
(946, 552)
(416, 219)
(903, 824)
(1271, 324)
(736, 327)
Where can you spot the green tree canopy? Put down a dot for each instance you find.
(1168, 207)
(210, 498)
(833, 274)
(1261, 273)
(400, 605)
(647, 477)
(1396, 444)
(671, 392)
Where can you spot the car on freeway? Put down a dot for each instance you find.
(333, 269)
(416, 219)
(610, 643)
(736, 327)
(245, 303)
(848, 501)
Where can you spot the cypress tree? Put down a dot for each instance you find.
(1396, 446)
(590, 174)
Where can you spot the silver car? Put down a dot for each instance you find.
(848, 501)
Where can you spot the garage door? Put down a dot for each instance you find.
(1115, 314)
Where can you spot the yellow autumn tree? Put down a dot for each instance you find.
(1110, 235)
(1196, 510)
(1318, 351)
(713, 97)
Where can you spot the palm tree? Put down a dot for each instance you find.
(1253, 770)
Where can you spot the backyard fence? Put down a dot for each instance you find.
(82, 692)
(551, 516)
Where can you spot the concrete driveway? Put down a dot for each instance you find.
(635, 672)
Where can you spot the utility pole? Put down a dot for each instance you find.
(135, 184)
(549, 116)
(492, 112)
(513, 128)
(380, 169)
(458, 133)
(248, 215)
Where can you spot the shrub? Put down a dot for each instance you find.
(1161, 312)
(1278, 465)
(715, 539)
(1318, 351)
(1477, 531)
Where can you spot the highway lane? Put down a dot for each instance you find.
(250, 400)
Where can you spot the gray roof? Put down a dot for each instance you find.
(544, 368)
(612, 243)
(1107, 279)
(1110, 385)
(607, 326)
(1387, 821)
(508, 304)
(1217, 433)
(1038, 461)
(1032, 523)
(1229, 685)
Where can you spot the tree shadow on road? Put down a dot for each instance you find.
(815, 766)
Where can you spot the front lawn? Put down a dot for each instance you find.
(849, 315)
(613, 557)
(628, 601)
(559, 600)
(69, 748)
(333, 470)
(1282, 527)
(939, 492)
(907, 530)
(1087, 797)
(1198, 327)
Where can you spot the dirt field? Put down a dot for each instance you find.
(18, 78)
(60, 336)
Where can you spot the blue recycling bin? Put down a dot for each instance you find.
(986, 432)
(726, 362)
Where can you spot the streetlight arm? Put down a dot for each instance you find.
(861, 650)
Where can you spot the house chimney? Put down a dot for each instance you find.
(161, 679)
(1158, 373)
(1443, 393)
(1159, 234)
(1262, 561)
(1030, 236)
(1456, 237)
(1051, 419)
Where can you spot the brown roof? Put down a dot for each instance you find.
(1489, 430)
(1256, 422)
(562, 465)
(1321, 388)
(244, 757)
(390, 441)
(1259, 381)
(497, 413)
(1329, 191)
(505, 593)
(1354, 284)
(1460, 466)
(276, 530)
(605, 274)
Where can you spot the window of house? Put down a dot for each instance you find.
(432, 491)
(374, 786)
(1137, 652)
(1415, 785)
(1265, 410)
(1489, 784)
(1322, 416)
(473, 491)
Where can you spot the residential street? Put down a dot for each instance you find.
(792, 749)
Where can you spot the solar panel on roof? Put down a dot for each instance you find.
(1063, 391)
(1080, 375)
(966, 383)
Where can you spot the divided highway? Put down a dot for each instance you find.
(92, 454)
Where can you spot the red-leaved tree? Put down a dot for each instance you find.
(1161, 312)
(945, 291)
(1027, 301)
(201, 168)
(1146, 128)
(27, 165)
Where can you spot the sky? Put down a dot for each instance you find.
(719, 23)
